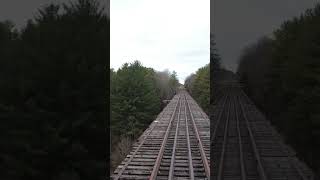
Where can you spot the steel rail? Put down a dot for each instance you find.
(243, 172)
(201, 111)
(203, 155)
(219, 119)
(159, 157)
(225, 139)
(261, 170)
(140, 144)
(221, 99)
(283, 150)
(171, 170)
(219, 96)
(191, 174)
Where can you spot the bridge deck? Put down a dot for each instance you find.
(244, 145)
(176, 145)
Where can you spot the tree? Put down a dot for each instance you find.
(282, 78)
(55, 97)
(198, 86)
(136, 97)
(214, 56)
(254, 67)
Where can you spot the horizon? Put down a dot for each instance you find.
(166, 69)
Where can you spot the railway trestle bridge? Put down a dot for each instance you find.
(240, 143)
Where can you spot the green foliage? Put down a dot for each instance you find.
(283, 77)
(198, 86)
(53, 94)
(136, 98)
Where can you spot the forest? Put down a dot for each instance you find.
(53, 93)
(137, 95)
(199, 84)
(281, 74)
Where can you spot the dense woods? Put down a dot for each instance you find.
(215, 67)
(198, 85)
(282, 76)
(53, 94)
(136, 98)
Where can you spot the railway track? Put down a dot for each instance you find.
(175, 146)
(245, 146)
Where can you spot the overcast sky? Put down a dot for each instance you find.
(174, 34)
(162, 34)
(239, 23)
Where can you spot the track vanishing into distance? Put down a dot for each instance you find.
(175, 146)
(244, 145)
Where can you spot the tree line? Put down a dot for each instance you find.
(282, 76)
(53, 93)
(198, 85)
(136, 98)
(215, 60)
(201, 84)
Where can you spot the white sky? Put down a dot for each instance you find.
(162, 34)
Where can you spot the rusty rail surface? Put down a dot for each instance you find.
(177, 146)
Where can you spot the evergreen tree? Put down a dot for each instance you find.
(282, 77)
(54, 95)
(199, 86)
(136, 97)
